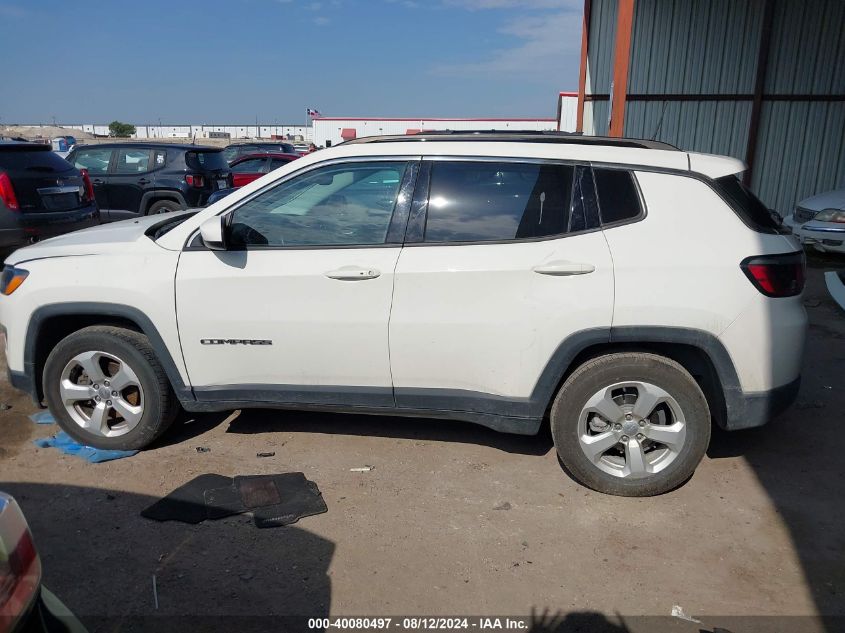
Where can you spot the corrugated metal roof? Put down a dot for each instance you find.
(800, 152)
(697, 47)
(693, 47)
(600, 51)
(808, 48)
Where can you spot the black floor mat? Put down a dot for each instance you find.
(273, 500)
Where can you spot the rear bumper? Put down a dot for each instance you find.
(33, 227)
(749, 410)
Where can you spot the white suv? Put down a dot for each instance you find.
(625, 290)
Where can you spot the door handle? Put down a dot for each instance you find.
(96, 181)
(353, 273)
(144, 181)
(564, 269)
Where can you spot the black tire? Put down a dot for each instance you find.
(163, 206)
(159, 401)
(604, 371)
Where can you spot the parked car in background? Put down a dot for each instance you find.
(819, 221)
(234, 151)
(540, 276)
(252, 166)
(41, 195)
(132, 179)
(301, 148)
(26, 606)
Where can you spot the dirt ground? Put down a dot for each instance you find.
(455, 520)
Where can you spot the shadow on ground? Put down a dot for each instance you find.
(227, 570)
(267, 421)
(798, 458)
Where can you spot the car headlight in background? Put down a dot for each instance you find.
(831, 215)
(11, 279)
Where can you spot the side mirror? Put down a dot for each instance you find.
(213, 233)
(776, 217)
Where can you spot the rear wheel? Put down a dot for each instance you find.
(163, 206)
(631, 424)
(106, 388)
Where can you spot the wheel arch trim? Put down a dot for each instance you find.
(43, 313)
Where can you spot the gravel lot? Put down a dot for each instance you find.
(455, 519)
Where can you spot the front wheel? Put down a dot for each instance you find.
(631, 424)
(106, 388)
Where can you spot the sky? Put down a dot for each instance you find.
(232, 61)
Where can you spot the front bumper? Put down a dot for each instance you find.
(827, 237)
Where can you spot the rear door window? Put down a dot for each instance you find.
(495, 201)
(618, 197)
(250, 166)
(95, 160)
(132, 161)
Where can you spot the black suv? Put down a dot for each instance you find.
(132, 179)
(41, 195)
(235, 150)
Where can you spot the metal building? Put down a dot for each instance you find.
(762, 80)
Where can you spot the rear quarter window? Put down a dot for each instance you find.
(619, 199)
(206, 161)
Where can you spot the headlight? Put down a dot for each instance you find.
(11, 279)
(830, 215)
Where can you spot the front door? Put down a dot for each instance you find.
(297, 309)
(129, 178)
(96, 160)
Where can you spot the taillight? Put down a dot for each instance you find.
(89, 188)
(195, 180)
(20, 567)
(7, 192)
(776, 275)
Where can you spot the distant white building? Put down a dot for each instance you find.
(334, 130)
(187, 131)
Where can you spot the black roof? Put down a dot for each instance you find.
(518, 136)
(183, 146)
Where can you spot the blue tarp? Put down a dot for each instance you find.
(43, 417)
(69, 446)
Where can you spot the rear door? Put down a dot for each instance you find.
(128, 180)
(504, 261)
(96, 160)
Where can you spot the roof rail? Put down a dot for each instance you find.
(518, 136)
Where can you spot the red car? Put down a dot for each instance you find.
(252, 166)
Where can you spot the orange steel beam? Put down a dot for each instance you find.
(582, 74)
(621, 61)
